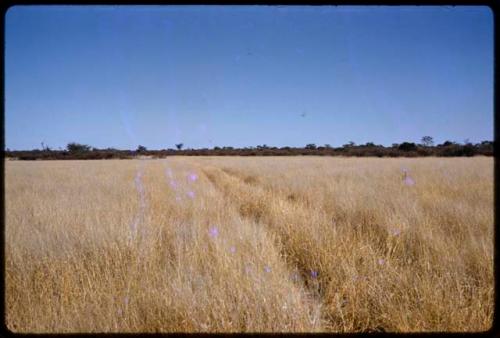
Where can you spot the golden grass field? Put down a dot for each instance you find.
(242, 244)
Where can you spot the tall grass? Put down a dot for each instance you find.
(249, 245)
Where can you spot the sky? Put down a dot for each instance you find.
(206, 76)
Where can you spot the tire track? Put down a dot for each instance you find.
(251, 204)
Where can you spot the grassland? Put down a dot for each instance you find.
(289, 244)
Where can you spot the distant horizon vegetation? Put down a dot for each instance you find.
(427, 147)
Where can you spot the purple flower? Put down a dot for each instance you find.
(192, 177)
(314, 274)
(232, 249)
(213, 232)
(267, 269)
(190, 194)
(409, 181)
(126, 300)
(395, 232)
(381, 261)
(406, 178)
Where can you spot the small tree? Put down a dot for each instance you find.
(74, 147)
(311, 146)
(179, 146)
(447, 144)
(45, 147)
(141, 149)
(428, 141)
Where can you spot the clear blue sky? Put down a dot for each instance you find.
(119, 76)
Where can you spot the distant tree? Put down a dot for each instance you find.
(141, 149)
(467, 142)
(447, 143)
(468, 150)
(427, 141)
(264, 146)
(217, 148)
(179, 146)
(311, 146)
(328, 146)
(407, 146)
(45, 147)
(370, 144)
(485, 147)
(350, 144)
(74, 147)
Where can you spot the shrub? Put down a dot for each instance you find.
(407, 146)
(77, 147)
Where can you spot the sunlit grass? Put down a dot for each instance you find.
(217, 244)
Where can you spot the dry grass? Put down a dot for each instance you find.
(387, 256)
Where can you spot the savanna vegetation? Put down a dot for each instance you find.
(77, 151)
(263, 244)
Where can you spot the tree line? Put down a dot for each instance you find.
(406, 149)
